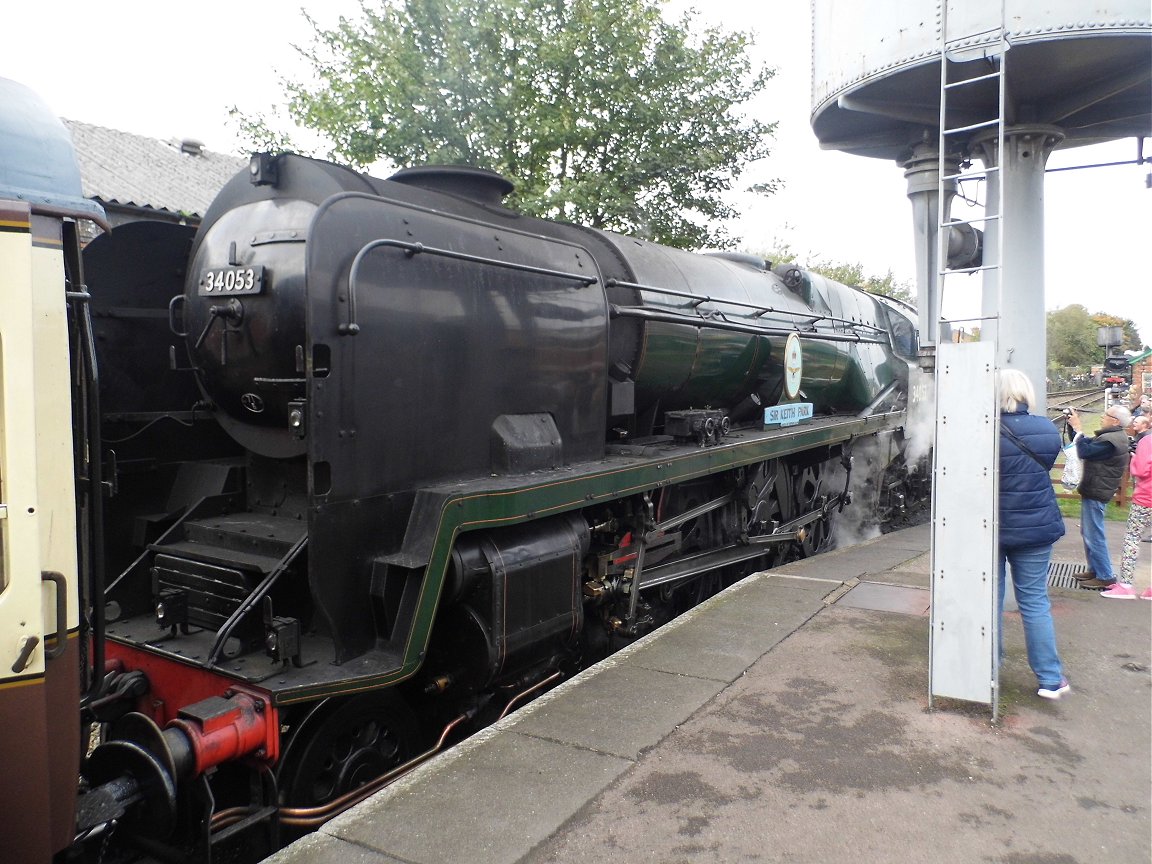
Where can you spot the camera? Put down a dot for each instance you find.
(1067, 412)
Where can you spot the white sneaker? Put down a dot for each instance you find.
(1055, 692)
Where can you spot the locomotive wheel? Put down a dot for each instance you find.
(345, 744)
(765, 507)
(808, 489)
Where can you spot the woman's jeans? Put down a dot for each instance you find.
(1095, 543)
(1029, 567)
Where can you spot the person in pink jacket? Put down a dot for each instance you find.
(1139, 516)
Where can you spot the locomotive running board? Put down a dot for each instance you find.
(441, 513)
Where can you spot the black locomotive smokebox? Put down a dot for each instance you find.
(465, 181)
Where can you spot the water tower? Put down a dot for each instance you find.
(980, 90)
(1019, 78)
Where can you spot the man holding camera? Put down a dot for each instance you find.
(1105, 456)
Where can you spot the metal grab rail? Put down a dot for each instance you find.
(89, 420)
(257, 594)
(670, 317)
(61, 634)
(411, 250)
(759, 309)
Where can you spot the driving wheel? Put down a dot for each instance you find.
(344, 745)
(762, 498)
(808, 489)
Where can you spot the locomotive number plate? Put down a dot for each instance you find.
(232, 280)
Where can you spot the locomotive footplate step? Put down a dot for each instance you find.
(281, 679)
(251, 540)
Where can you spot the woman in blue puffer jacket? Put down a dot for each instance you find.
(1030, 522)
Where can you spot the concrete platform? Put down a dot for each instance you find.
(787, 720)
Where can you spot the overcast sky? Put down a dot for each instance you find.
(174, 69)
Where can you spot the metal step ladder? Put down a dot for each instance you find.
(964, 643)
(963, 41)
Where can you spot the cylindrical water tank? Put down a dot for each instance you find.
(1084, 67)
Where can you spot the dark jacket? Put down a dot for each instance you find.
(1029, 515)
(1105, 457)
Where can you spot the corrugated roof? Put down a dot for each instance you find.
(132, 170)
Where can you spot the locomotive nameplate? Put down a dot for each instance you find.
(787, 415)
(232, 280)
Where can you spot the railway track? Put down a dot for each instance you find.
(1082, 400)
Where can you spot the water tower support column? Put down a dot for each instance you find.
(1013, 299)
(922, 171)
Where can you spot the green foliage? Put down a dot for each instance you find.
(1072, 337)
(1127, 326)
(850, 274)
(600, 111)
(259, 133)
(853, 274)
(1072, 333)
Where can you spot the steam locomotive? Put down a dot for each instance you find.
(1117, 372)
(363, 464)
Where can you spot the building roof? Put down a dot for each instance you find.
(119, 168)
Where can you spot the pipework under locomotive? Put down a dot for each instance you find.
(394, 457)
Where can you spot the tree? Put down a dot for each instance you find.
(853, 274)
(850, 274)
(1072, 337)
(1127, 326)
(1072, 333)
(600, 111)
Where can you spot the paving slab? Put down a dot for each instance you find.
(720, 639)
(887, 598)
(321, 848)
(912, 578)
(873, 556)
(487, 801)
(620, 710)
(916, 538)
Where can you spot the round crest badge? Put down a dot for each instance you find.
(793, 366)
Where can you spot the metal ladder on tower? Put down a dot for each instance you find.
(964, 644)
(963, 41)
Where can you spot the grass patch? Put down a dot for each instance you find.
(1070, 507)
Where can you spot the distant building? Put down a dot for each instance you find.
(134, 177)
(1142, 371)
